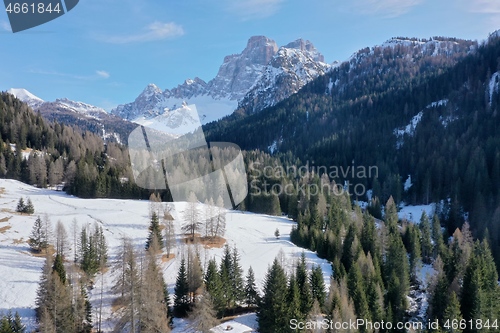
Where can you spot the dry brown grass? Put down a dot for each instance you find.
(207, 242)
(18, 241)
(5, 219)
(2, 191)
(6, 210)
(4, 229)
(165, 258)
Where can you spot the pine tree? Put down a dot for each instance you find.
(17, 325)
(236, 277)
(357, 292)
(426, 241)
(38, 239)
(452, 313)
(273, 312)
(154, 230)
(414, 249)
(480, 291)
(437, 237)
(214, 287)
(368, 235)
(293, 300)
(21, 206)
(277, 233)
(226, 271)
(306, 300)
(251, 293)
(397, 275)
(59, 268)
(29, 208)
(391, 215)
(182, 300)
(439, 294)
(318, 285)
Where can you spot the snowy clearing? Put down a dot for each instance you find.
(253, 234)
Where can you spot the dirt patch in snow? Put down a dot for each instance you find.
(167, 258)
(5, 219)
(207, 242)
(4, 229)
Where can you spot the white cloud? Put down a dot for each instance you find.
(484, 6)
(154, 31)
(103, 74)
(5, 26)
(91, 77)
(253, 9)
(387, 8)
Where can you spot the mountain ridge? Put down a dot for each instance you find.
(237, 76)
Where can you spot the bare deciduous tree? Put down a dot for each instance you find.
(191, 216)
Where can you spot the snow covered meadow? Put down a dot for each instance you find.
(252, 234)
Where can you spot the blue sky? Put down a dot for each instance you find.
(104, 52)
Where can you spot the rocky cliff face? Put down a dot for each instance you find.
(239, 72)
(289, 70)
(260, 76)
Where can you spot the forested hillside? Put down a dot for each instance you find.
(44, 153)
(434, 117)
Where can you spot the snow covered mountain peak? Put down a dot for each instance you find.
(290, 69)
(25, 96)
(150, 90)
(248, 72)
(305, 45)
(239, 72)
(79, 107)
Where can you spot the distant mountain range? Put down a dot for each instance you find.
(85, 116)
(260, 76)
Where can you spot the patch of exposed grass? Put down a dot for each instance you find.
(4, 229)
(5, 219)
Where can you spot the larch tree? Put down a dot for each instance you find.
(168, 223)
(192, 216)
(128, 286)
(220, 218)
(61, 238)
(154, 312)
(210, 219)
(194, 273)
(203, 316)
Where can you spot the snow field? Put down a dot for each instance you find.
(252, 234)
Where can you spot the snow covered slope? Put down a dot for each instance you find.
(253, 235)
(87, 117)
(27, 97)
